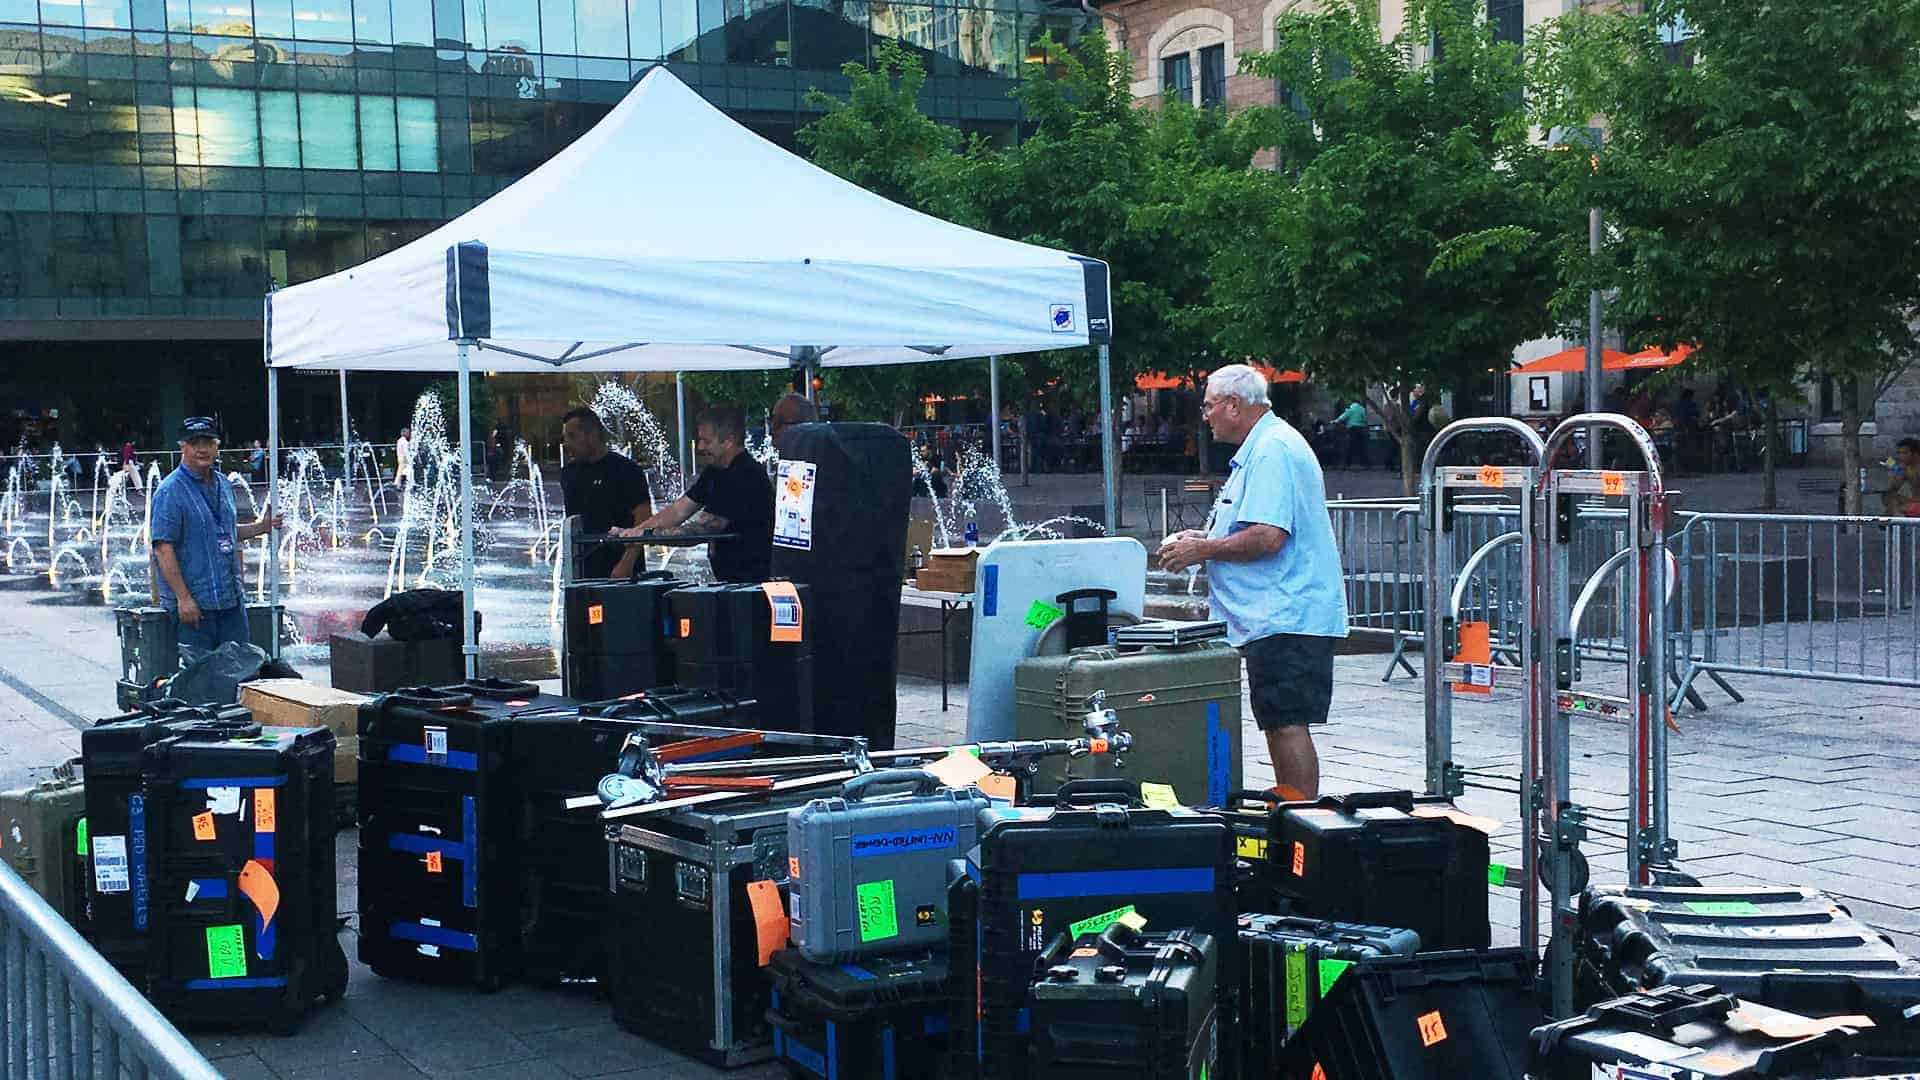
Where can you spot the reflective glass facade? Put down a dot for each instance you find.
(163, 162)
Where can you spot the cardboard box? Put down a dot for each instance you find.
(948, 570)
(299, 703)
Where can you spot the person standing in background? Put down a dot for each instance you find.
(607, 490)
(1354, 419)
(196, 543)
(403, 458)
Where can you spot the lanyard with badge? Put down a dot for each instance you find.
(222, 535)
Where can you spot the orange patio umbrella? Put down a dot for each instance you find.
(1575, 360)
(1146, 381)
(1653, 358)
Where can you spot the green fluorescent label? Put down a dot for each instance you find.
(226, 952)
(1093, 924)
(1330, 973)
(1496, 874)
(1722, 907)
(877, 918)
(1296, 985)
(1042, 615)
(80, 837)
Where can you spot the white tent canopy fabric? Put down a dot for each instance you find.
(669, 237)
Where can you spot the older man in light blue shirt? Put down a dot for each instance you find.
(1273, 571)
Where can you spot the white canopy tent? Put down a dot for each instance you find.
(670, 238)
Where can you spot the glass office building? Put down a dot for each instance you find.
(164, 162)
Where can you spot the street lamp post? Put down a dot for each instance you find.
(1589, 139)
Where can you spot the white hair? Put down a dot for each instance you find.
(1240, 381)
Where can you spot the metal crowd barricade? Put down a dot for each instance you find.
(1378, 541)
(1809, 597)
(64, 1011)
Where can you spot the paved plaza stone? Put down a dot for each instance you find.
(1804, 783)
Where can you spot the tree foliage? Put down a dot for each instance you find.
(1759, 180)
(1404, 240)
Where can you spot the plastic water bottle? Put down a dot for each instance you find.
(973, 534)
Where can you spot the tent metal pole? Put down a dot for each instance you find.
(680, 424)
(346, 432)
(993, 406)
(1106, 435)
(273, 486)
(469, 647)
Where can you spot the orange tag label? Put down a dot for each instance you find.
(793, 867)
(596, 614)
(1476, 648)
(1612, 483)
(769, 918)
(1299, 859)
(1319, 1071)
(1432, 1028)
(256, 884)
(1097, 746)
(1493, 476)
(434, 864)
(263, 809)
(686, 628)
(997, 786)
(783, 604)
(203, 825)
(1084, 952)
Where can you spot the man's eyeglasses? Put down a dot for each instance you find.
(1207, 405)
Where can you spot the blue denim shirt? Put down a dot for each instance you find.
(1300, 589)
(193, 515)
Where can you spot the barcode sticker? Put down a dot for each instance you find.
(110, 869)
(436, 738)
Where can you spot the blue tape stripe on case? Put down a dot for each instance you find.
(210, 888)
(1219, 757)
(434, 935)
(257, 983)
(233, 781)
(417, 755)
(990, 590)
(1187, 879)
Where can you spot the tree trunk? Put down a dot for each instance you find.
(1112, 436)
(1850, 446)
(1202, 449)
(1770, 457)
(1409, 465)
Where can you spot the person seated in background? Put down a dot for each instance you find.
(732, 494)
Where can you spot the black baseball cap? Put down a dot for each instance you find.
(199, 427)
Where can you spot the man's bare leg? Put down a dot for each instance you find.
(1296, 763)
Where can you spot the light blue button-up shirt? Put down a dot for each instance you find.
(1276, 480)
(194, 515)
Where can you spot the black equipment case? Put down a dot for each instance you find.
(113, 757)
(1291, 964)
(439, 886)
(878, 1018)
(1076, 869)
(565, 907)
(243, 878)
(863, 489)
(1683, 1032)
(616, 636)
(723, 639)
(1120, 1003)
(1791, 948)
(1431, 1016)
(1383, 858)
(684, 968)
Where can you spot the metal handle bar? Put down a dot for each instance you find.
(1626, 425)
(1527, 436)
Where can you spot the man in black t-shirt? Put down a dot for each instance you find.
(607, 490)
(732, 494)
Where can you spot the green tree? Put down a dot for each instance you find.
(1760, 179)
(1408, 246)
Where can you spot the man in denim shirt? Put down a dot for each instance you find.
(196, 543)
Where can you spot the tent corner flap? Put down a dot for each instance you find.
(1099, 301)
(469, 300)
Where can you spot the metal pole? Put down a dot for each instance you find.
(680, 423)
(1593, 344)
(470, 647)
(1106, 435)
(273, 486)
(346, 432)
(993, 413)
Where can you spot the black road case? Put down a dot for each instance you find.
(565, 908)
(113, 758)
(1119, 1003)
(1791, 948)
(1291, 964)
(1383, 858)
(1682, 1032)
(723, 639)
(243, 878)
(439, 885)
(877, 1018)
(684, 968)
(1047, 871)
(616, 636)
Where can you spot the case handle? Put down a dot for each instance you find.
(1092, 792)
(1239, 799)
(1373, 800)
(920, 781)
